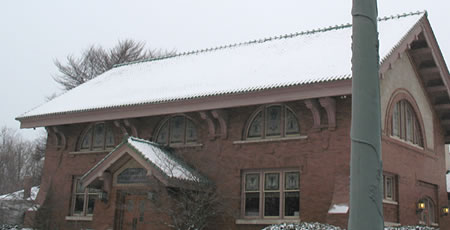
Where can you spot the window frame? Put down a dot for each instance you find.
(91, 130)
(393, 178)
(404, 119)
(262, 191)
(86, 193)
(283, 123)
(184, 142)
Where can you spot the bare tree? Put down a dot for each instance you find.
(192, 207)
(192, 201)
(96, 60)
(18, 158)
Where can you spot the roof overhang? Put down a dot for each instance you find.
(292, 93)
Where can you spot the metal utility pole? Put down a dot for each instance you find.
(366, 170)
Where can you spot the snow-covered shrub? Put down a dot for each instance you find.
(302, 226)
(318, 226)
(9, 227)
(411, 228)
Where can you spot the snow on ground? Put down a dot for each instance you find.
(338, 209)
(18, 195)
(318, 226)
(300, 226)
(448, 182)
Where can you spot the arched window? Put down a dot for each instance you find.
(97, 137)
(271, 122)
(177, 130)
(428, 215)
(405, 124)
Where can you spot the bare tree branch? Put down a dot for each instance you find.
(95, 60)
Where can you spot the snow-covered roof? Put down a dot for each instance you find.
(170, 165)
(161, 159)
(293, 59)
(18, 195)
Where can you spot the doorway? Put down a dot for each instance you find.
(131, 210)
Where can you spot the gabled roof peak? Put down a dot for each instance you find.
(255, 41)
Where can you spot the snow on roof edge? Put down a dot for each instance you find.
(190, 97)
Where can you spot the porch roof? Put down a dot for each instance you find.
(315, 56)
(155, 157)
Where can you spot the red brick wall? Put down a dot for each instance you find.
(320, 158)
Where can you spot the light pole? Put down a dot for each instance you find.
(366, 170)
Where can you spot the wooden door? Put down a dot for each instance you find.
(134, 218)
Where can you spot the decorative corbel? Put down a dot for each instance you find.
(131, 124)
(313, 105)
(329, 104)
(222, 117)
(211, 127)
(119, 124)
(58, 136)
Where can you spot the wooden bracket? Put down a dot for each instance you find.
(313, 105)
(329, 104)
(58, 136)
(222, 117)
(131, 124)
(211, 126)
(120, 125)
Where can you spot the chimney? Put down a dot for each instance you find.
(27, 183)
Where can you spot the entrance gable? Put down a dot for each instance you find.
(402, 76)
(157, 161)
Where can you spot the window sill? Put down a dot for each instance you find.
(415, 148)
(91, 152)
(390, 202)
(407, 142)
(177, 146)
(391, 224)
(79, 218)
(266, 221)
(250, 141)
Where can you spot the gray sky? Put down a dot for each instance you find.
(35, 33)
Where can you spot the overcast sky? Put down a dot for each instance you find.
(35, 33)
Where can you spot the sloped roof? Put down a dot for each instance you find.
(18, 195)
(164, 161)
(294, 59)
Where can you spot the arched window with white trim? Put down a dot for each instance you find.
(272, 121)
(176, 130)
(405, 124)
(98, 136)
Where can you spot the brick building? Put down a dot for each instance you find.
(267, 121)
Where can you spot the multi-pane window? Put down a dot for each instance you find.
(428, 215)
(273, 194)
(97, 137)
(405, 124)
(273, 121)
(83, 200)
(390, 185)
(177, 130)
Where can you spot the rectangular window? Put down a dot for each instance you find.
(83, 200)
(390, 185)
(271, 194)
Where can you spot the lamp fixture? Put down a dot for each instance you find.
(445, 211)
(103, 196)
(420, 206)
